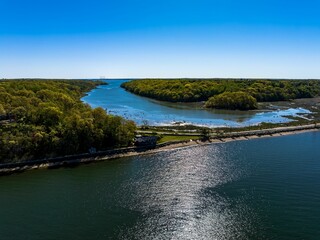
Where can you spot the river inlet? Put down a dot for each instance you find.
(147, 111)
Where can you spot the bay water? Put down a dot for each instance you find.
(267, 188)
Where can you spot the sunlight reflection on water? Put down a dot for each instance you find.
(262, 189)
(180, 201)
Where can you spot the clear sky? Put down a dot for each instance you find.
(159, 38)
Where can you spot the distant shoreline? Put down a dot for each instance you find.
(75, 160)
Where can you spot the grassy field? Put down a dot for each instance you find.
(168, 138)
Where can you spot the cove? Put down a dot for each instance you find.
(143, 110)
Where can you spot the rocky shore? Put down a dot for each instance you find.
(74, 160)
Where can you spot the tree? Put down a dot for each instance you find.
(2, 111)
(205, 134)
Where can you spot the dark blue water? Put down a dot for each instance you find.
(259, 189)
(147, 111)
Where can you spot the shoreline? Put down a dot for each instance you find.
(6, 169)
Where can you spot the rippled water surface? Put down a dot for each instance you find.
(259, 189)
(144, 110)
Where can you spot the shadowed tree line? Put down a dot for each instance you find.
(240, 94)
(46, 118)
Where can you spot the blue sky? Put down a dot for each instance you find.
(159, 38)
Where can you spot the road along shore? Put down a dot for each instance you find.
(74, 160)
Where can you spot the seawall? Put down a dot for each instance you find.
(74, 160)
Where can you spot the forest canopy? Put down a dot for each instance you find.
(46, 118)
(196, 90)
(232, 100)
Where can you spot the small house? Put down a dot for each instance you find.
(146, 141)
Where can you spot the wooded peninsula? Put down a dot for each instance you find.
(46, 118)
(241, 94)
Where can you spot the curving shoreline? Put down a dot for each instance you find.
(75, 160)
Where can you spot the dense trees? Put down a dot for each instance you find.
(232, 100)
(175, 90)
(42, 118)
(194, 90)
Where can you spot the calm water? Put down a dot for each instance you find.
(144, 110)
(260, 189)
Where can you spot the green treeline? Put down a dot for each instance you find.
(46, 118)
(195, 90)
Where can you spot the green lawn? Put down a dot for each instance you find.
(167, 138)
